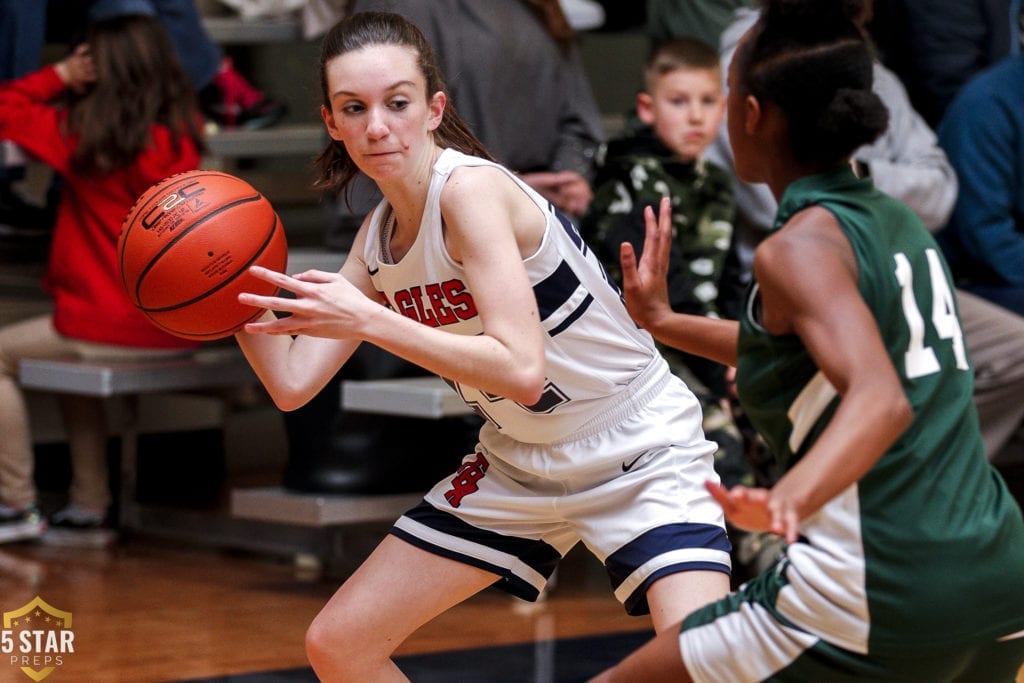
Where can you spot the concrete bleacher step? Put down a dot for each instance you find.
(276, 504)
(234, 30)
(289, 139)
(208, 368)
(424, 397)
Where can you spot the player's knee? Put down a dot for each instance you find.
(324, 641)
(332, 640)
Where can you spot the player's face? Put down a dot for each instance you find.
(380, 112)
(685, 109)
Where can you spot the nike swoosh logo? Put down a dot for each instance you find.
(626, 467)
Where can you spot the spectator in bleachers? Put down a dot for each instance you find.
(701, 19)
(907, 162)
(983, 136)
(112, 118)
(936, 46)
(227, 98)
(679, 110)
(24, 224)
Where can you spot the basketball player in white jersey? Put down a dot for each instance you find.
(468, 272)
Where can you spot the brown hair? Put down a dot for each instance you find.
(679, 53)
(139, 83)
(365, 29)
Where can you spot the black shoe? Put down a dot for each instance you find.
(76, 527)
(19, 525)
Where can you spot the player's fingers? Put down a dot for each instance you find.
(664, 229)
(792, 525)
(317, 276)
(740, 493)
(783, 520)
(271, 327)
(720, 494)
(271, 276)
(651, 236)
(627, 259)
(273, 303)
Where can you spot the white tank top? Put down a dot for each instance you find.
(593, 349)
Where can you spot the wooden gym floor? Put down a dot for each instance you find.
(149, 611)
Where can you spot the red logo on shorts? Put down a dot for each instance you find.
(465, 479)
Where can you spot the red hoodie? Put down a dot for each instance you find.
(82, 274)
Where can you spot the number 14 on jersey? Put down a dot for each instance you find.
(921, 360)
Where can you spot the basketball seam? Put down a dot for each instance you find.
(129, 220)
(221, 285)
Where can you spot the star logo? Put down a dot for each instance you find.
(37, 638)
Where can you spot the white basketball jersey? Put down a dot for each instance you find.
(593, 348)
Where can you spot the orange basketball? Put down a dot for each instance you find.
(185, 249)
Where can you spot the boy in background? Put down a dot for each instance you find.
(661, 154)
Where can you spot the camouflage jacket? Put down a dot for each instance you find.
(637, 171)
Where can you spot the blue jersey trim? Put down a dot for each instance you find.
(624, 561)
(555, 290)
(538, 555)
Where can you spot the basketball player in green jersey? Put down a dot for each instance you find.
(904, 556)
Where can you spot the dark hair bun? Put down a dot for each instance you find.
(810, 58)
(854, 116)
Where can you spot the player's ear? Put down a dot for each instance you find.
(645, 108)
(332, 127)
(437, 104)
(752, 113)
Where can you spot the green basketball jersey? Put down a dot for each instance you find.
(928, 547)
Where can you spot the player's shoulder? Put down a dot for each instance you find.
(477, 176)
(813, 230)
(476, 183)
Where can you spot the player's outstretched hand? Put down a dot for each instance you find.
(325, 305)
(645, 284)
(754, 509)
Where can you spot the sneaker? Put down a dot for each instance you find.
(77, 527)
(20, 524)
(233, 102)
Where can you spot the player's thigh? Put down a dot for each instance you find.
(395, 591)
(673, 597)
